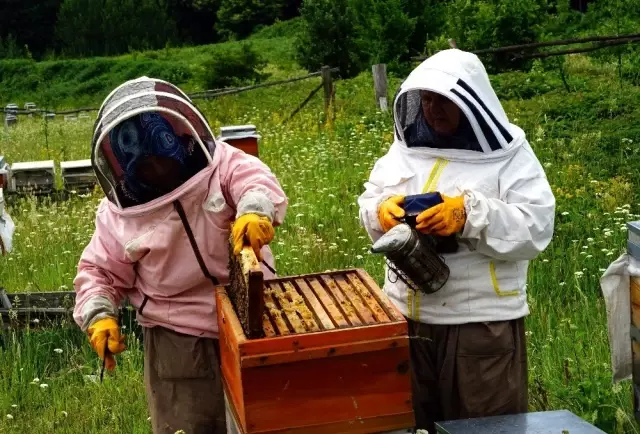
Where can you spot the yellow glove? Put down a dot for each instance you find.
(390, 211)
(105, 332)
(443, 219)
(253, 229)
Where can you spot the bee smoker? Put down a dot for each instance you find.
(412, 256)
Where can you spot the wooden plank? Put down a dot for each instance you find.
(275, 313)
(298, 303)
(231, 338)
(298, 342)
(635, 346)
(327, 301)
(289, 310)
(329, 351)
(329, 390)
(255, 286)
(345, 306)
(363, 311)
(360, 288)
(635, 320)
(391, 310)
(321, 314)
(269, 331)
(245, 291)
(379, 72)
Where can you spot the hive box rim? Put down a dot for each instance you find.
(305, 346)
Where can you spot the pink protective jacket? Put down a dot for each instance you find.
(143, 252)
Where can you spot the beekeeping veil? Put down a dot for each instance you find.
(462, 78)
(144, 117)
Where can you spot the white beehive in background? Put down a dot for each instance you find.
(33, 177)
(5, 173)
(77, 175)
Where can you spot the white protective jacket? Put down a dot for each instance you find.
(509, 203)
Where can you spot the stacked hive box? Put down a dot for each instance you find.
(633, 248)
(334, 358)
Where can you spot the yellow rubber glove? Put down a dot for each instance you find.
(390, 211)
(254, 230)
(443, 219)
(105, 332)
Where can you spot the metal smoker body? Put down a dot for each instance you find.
(415, 258)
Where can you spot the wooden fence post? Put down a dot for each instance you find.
(380, 85)
(328, 87)
(452, 43)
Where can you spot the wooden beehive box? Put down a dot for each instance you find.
(334, 358)
(243, 137)
(633, 248)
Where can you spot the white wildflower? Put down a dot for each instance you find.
(9, 417)
(58, 350)
(44, 386)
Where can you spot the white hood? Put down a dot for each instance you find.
(461, 77)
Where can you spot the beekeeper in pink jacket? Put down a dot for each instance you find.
(174, 196)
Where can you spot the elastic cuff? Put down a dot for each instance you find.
(95, 309)
(256, 202)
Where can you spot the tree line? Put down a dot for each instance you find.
(349, 34)
(81, 28)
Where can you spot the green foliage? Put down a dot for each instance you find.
(9, 48)
(195, 20)
(108, 27)
(281, 29)
(355, 34)
(383, 31)
(477, 24)
(237, 19)
(30, 24)
(329, 37)
(233, 67)
(82, 81)
(430, 16)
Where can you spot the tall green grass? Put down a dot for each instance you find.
(585, 139)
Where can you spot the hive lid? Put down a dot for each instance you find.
(238, 131)
(76, 164)
(33, 165)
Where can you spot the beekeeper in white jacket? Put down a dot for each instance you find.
(452, 136)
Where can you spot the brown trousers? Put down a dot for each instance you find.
(183, 383)
(468, 370)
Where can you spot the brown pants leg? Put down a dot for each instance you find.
(183, 383)
(468, 370)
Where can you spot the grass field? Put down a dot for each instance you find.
(586, 139)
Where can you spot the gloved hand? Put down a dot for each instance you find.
(256, 230)
(389, 211)
(443, 219)
(106, 332)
